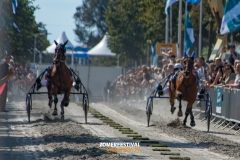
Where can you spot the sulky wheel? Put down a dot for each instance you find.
(149, 109)
(85, 106)
(28, 105)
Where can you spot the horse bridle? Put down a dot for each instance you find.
(58, 59)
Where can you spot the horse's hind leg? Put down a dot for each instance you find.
(49, 94)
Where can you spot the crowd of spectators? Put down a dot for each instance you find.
(20, 81)
(137, 84)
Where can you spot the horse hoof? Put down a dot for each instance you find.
(54, 113)
(62, 117)
(192, 124)
(62, 113)
(180, 113)
(173, 109)
(50, 103)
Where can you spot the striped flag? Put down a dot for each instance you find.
(231, 17)
(168, 4)
(14, 5)
(189, 38)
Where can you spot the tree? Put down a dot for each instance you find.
(20, 40)
(90, 21)
(124, 28)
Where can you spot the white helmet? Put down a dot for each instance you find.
(178, 66)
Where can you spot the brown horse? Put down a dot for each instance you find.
(185, 88)
(60, 79)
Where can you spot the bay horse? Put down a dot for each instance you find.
(184, 88)
(60, 80)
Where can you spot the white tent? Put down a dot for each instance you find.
(61, 39)
(101, 49)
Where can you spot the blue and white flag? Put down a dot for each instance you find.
(168, 4)
(231, 17)
(14, 5)
(189, 38)
(193, 1)
(154, 55)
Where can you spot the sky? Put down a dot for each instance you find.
(58, 17)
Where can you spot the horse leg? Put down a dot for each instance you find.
(55, 105)
(189, 111)
(189, 106)
(49, 94)
(172, 98)
(180, 114)
(65, 101)
(186, 116)
(192, 123)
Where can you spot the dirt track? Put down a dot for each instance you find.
(52, 138)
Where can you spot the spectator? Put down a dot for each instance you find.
(229, 75)
(237, 79)
(234, 55)
(4, 68)
(201, 70)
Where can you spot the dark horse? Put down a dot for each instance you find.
(60, 80)
(185, 88)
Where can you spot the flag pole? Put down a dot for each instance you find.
(171, 25)
(185, 32)
(200, 32)
(167, 29)
(179, 54)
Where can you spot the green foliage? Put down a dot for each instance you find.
(90, 21)
(125, 29)
(21, 42)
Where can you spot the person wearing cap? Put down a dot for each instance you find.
(234, 55)
(4, 69)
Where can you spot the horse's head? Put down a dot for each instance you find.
(60, 51)
(188, 61)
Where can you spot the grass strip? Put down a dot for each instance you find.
(179, 158)
(140, 138)
(153, 142)
(115, 125)
(132, 135)
(118, 127)
(125, 130)
(157, 145)
(129, 133)
(161, 149)
(170, 153)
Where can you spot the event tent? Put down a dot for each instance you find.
(61, 39)
(101, 49)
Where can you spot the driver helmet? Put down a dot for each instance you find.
(178, 66)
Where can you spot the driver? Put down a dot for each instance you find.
(177, 68)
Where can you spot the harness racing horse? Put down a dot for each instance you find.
(184, 88)
(60, 80)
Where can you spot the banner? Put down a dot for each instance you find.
(219, 99)
(231, 17)
(189, 38)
